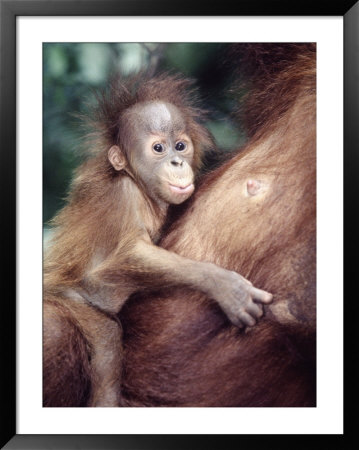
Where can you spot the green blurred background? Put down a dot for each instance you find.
(72, 71)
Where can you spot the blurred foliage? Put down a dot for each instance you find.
(71, 71)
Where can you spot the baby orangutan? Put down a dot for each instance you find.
(104, 245)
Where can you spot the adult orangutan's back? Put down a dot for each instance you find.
(256, 215)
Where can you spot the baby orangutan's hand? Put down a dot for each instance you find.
(238, 298)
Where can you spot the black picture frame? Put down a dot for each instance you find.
(9, 10)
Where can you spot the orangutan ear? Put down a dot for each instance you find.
(117, 158)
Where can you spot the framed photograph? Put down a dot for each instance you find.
(54, 55)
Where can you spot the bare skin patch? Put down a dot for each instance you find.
(158, 118)
(254, 187)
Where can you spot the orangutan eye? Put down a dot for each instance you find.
(158, 148)
(180, 146)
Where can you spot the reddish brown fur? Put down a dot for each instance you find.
(180, 349)
(272, 76)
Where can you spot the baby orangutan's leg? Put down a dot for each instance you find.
(105, 337)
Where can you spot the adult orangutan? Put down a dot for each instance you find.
(255, 216)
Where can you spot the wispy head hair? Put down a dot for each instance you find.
(121, 94)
